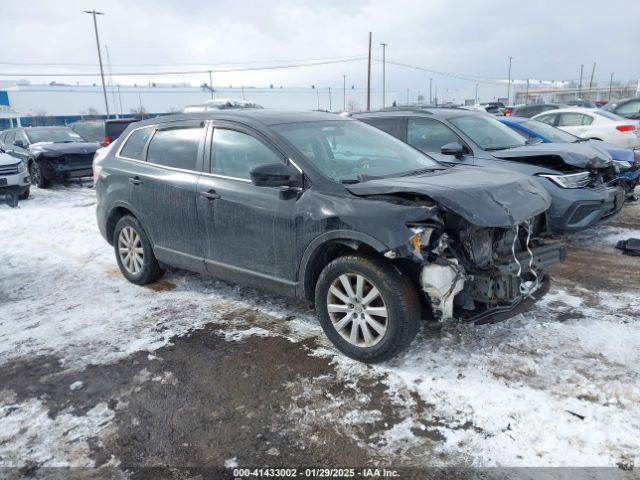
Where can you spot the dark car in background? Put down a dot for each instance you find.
(101, 131)
(626, 160)
(50, 153)
(629, 108)
(577, 177)
(374, 232)
(534, 109)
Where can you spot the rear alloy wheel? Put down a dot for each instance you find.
(134, 253)
(367, 307)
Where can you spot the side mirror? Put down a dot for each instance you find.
(271, 175)
(20, 144)
(453, 148)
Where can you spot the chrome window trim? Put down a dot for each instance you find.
(117, 155)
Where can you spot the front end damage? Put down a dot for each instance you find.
(479, 274)
(483, 275)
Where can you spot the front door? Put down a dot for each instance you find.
(250, 230)
(431, 135)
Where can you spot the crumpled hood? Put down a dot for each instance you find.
(50, 148)
(6, 159)
(574, 154)
(617, 153)
(485, 197)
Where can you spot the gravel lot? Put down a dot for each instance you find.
(193, 372)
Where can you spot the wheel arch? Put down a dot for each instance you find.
(116, 212)
(327, 247)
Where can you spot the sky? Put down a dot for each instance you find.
(547, 40)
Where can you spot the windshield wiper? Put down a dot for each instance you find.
(418, 171)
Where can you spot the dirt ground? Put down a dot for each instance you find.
(193, 373)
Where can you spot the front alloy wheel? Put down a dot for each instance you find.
(367, 307)
(357, 310)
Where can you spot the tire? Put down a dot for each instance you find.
(25, 195)
(397, 296)
(37, 175)
(130, 236)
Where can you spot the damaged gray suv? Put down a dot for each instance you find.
(377, 234)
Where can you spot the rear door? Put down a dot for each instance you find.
(250, 230)
(164, 192)
(574, 123)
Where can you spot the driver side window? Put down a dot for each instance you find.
(430, 135)
(234, 154)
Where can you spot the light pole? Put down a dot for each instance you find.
(610, 85)
(580, 86)
(477, 84)
(509, 84)
(430, 91)
(384, 64)
(95, 26)
(344, 93)
(211, 83)
(330, 107)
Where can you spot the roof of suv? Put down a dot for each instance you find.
(261, 116)
(419, 112)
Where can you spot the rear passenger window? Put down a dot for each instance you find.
(549, 119)
(390, 125)
(134, 146)
(175, 147)
(234, 154)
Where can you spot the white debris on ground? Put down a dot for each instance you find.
(558, 386)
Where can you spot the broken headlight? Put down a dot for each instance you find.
(572, 180)
(22, 167)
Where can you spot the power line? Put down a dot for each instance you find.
(179, 64)
(186, 72)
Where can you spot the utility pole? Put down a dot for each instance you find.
(95, 27)
(369, 76)
(113, 97)
(211, 83)
(318, 97)
(477, 84)
(330, 107)
(344, 93)
(593, 70)
(436, 97)
(509, 84)
(610, 85)
(526, 97)
(384, 62)
(407, 96)
(430, 90)
(580, 86)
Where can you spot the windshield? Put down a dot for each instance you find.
(554, 135)
(55, 135)
(352, 151)
(488, 132)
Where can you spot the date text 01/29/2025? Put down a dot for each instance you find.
(239, 473)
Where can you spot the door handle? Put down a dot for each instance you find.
(135, 180)
(210, 194)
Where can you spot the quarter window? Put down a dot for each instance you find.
(430, 135)
(175, 147)
(134, 147)
(234, 154)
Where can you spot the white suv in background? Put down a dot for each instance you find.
(14, 176)
(594, 124)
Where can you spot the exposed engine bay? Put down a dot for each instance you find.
(481, 274)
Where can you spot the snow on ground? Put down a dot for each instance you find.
(558, 386)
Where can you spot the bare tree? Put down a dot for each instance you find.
(39, 118)
(139, 111)
(353, 106)
(173, 110)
